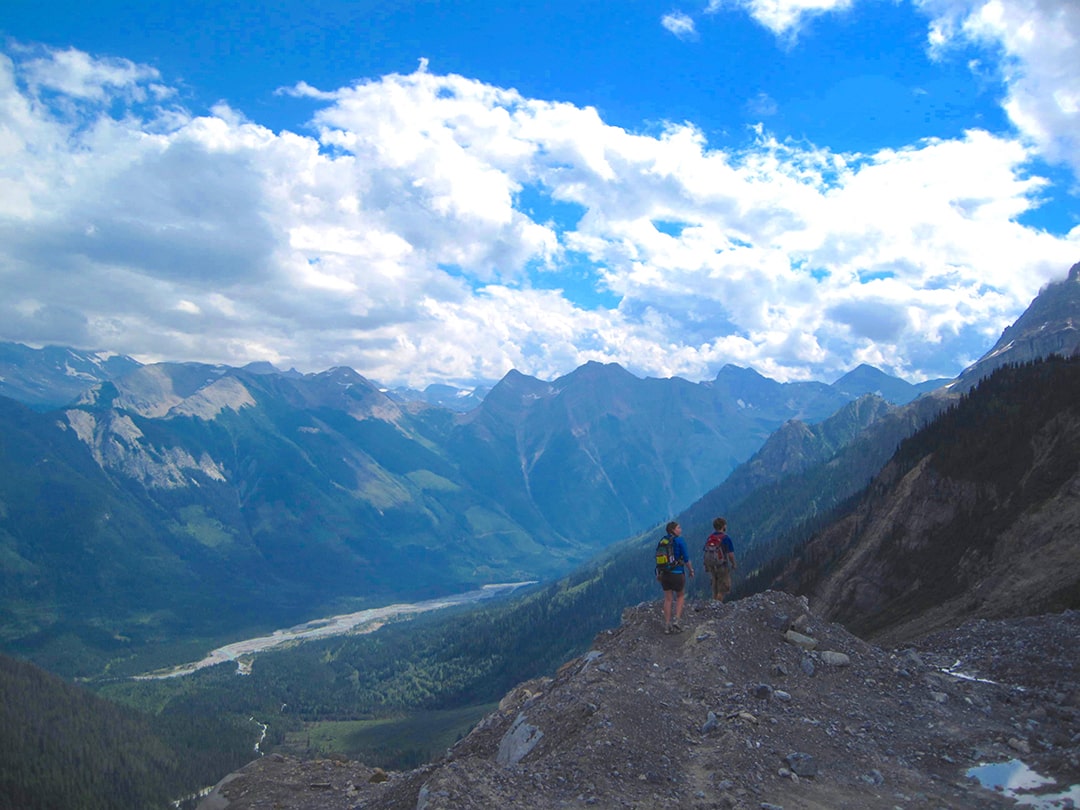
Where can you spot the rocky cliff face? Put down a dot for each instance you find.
(757, 704)
(890, 583)
(1050, 325)
(977, 516)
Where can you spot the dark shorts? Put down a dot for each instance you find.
(672, 582)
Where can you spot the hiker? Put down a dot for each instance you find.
(671, 560)
(719, 559)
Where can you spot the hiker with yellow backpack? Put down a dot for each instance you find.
(672, 562)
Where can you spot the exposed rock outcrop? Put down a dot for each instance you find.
(977, 516)
(732, 714)
(1048, 326)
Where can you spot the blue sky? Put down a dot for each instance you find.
(440, 192)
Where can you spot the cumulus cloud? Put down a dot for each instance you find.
(1040, 40)
(394, 239)
(77, 75)
(1032, 46)
(783, 17)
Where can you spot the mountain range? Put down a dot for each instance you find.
(896, 520)
(169, 499)
(174, 499)
(53, 376)
(793, 506)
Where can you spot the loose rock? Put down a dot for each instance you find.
(862, 736)
(835, 659)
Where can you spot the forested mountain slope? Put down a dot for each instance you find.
(976, 516)
(63, 747)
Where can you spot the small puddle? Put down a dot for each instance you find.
(1030, 789)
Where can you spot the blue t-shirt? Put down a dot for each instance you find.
(681, 554)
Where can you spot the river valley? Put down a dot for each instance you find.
(363, 621)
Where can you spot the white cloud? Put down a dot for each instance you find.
(396, 241)
(679, 24)
(1034, 48)
(783, 17)
(1040, 44)
(79, 76)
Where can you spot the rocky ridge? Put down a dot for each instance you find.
(1048, 326)
(757, 704)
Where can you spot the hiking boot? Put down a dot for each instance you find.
(676, 627)
(667, 630)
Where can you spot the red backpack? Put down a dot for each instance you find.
(714, 552)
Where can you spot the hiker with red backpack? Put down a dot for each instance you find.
(720, 559)
(672, 560)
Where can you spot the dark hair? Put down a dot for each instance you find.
(719, 524)
(671, 527)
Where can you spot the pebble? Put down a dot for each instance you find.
(710, 723)
(802, 764)
(1017, 744)
(799, 640)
